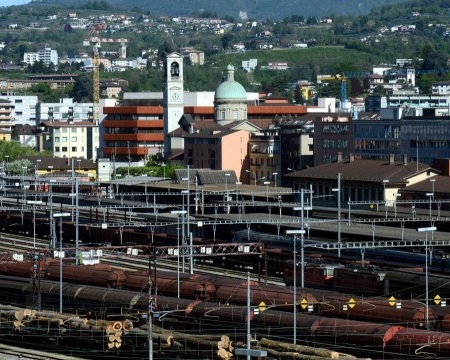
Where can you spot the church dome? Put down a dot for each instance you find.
(230, 89)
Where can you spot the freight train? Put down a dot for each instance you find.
(167, 283)
(402, 283)
(279, 250)
(361, 338)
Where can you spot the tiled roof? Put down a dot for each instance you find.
(60, 163)
(363, 170)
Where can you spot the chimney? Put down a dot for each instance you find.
(339, 156)
(351, 157)
(405, 159)
(391, 159)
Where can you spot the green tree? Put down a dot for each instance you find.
(433, 60)
(227, 40)
(82, 89)
(44, 92)
(424, 82)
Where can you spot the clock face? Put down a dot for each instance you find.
(175, 96)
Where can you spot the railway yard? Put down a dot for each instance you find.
(96, 277)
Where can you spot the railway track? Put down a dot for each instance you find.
(20, 243)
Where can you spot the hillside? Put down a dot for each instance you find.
(253, 9)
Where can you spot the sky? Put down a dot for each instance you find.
(13, 2)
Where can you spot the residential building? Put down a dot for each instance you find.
(264, 156)
(296, 145)
(68, 129)
(48, 56)
(65, 110)
(30, 58)
(24, 110)
(276, 65)
(27, 134)
(67, 139)
(218, 150)
(441, 88)
(196, 57)
(249, 65)
(6, 118)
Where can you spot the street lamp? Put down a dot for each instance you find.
(252, 174)
(60, 255)
(227, 175)
(338, 190)
(275, 174)
(178, 213)
(267, 183)
(261, 178)
(385, 181)
(295, 233)
(426, 230)
(430, 196)
(432, 181)
(302, 259)
(79, 164)
(397, 195)
(164, 169)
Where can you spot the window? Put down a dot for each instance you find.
(64, 139)
(57, 149)
(64, 130)
(64, 148)
(74, 149)
(73, 139)
(56, 138)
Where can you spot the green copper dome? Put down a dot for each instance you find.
(230, 89)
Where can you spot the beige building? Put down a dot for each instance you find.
(67, 139)
(195, 56)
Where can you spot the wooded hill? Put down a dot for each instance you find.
(254, 9)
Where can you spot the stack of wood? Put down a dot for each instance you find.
(113, 332)
(282, 350)
(225, 351)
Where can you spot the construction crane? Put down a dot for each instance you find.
(337, 77)
(95, 84)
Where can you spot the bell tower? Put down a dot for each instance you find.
(173, 96)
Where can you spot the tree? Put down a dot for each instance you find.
(68, 28)
(227, 39)
(424, 82)
(433, 60)
(82, 89)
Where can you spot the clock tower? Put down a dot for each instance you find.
(173, 96)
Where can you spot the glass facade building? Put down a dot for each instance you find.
(421, 138)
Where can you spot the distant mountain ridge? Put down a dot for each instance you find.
(252, 9)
